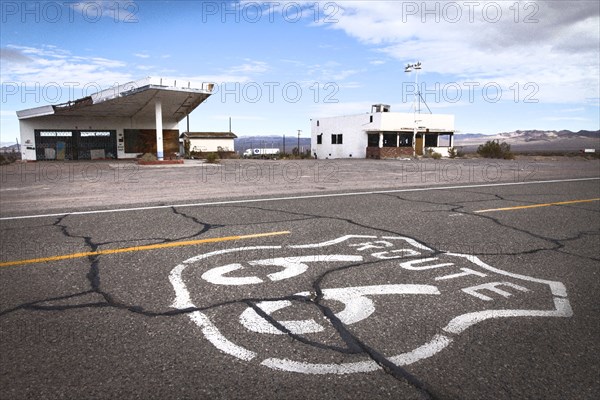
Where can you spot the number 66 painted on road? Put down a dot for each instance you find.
(358, 307)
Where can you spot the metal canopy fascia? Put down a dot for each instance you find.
(132, 100)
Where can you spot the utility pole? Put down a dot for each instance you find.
(299, 141)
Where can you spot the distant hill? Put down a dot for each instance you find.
(272, 142)
(535, 140)
(529, 135)
(468, 136)
(9, 148)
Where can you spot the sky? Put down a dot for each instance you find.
(498, 66)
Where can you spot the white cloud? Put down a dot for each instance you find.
(250, 67)
(51, 65)
(551, 44)
(330, 71)
(141, 55)
(580, 119)
(573, 110)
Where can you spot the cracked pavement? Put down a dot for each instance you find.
(114, 324)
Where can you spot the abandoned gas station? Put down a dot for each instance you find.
(125, 121)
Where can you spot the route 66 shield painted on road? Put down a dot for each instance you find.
(393, 293)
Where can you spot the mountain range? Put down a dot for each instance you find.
(530, 135)
(534, 140)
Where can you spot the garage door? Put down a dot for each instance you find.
(75, 145)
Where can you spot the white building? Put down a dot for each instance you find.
(382, 134)
(208, 142)
(121, 122)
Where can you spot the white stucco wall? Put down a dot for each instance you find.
(208, 145)
(354, 137)
(402, 121)
(28, 127)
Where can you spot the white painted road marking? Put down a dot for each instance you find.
(301, 197)
(359, 307)
(291, 267)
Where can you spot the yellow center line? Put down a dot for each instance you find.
(558, 203)
(141, 248)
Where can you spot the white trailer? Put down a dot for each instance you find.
(260, 153)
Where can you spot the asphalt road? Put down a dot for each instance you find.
(411, 290)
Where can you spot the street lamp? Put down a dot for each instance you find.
(416, 99)
(299, 141)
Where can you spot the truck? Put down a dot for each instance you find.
(260, 153)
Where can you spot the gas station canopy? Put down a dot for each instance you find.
(132, 100)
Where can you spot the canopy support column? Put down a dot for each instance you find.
(159, 129)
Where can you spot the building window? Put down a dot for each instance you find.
(340, 137)
(389, 140)
(371, 118)
(431, 140)
(373, 140)
(337, 139)
(406, 139)
(317, 122)
(320, 139)
(444, 140)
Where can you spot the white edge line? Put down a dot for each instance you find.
(316, 196)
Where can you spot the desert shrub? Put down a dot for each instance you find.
(436, 155)
(9, 158)
(452, 152)
(148, 157)
(495, 149)
(212, 158)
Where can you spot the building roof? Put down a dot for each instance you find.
(209, 135)
(132, 100)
